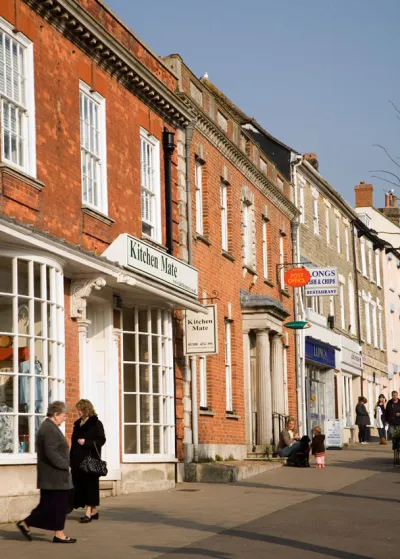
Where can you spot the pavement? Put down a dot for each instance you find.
(349, 510)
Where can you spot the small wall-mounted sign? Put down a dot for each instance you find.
(201, 332)
(297, 277)
(298, 325)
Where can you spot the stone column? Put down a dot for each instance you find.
(277, 381)
(264, 411)
(247, 389)
(84, 388)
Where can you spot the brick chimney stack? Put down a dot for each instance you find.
(364, 195)
(312, 159)
(391, 210)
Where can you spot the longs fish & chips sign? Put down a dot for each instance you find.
(323, 282)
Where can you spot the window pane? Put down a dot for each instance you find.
(130, 378)
(23, 434)
(144, 409)
(145, 439)
(157, 440)
(156, 379)
(130, 432)
(23, 316)
(22, 277)
(143, 321)
(6, 318)
(143, 348)
(128, 320)
(5, 275)
(154, 344)
(144, 378)
(39, 392)
(38, 329)
(156, 409)
(6, 392)
(6, 433)
(129, 342)
(154, 321)
(130, 408)
(24, 394)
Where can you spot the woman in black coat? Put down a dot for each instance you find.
(87, 436)
(53, 477)
(362, 420)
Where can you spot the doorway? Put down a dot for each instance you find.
(102, 379)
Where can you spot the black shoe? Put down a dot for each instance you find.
(95, 516)
(67, 540)
(24, 531)
(85, 520)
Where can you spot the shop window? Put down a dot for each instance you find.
(148, 385)
(18, 143)
(93, 149)
(31, 349)
(347, 401)
(150, 185)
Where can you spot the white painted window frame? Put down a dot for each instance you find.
(228, 366)
(370, 262)
(203, 381)
(282, 260)
(347, 242)
(374, 325)
(315, 215)
(380, 326)
(51, 302)
(342, 306)
(155, 189)
(265, 247)
(338, 243)
(368, 321)
(301, 203)
(101, 156)
(199, 196)
(378, 267)
(352, 306)
(165, 366)
(363, 257)
(27, 107)
(224, 217)
(327, 225)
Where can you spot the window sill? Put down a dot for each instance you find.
(154, 243)
(232, 416)
(268, 282)
(285, 293)
(22, 175)
(203, 239)
(228, 256)
(18, 459)
(207, 412)
(249, 269)
(97, 215)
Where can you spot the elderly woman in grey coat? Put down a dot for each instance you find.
(53, 477)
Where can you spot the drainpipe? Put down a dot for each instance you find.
(190, 366)
(169, 147)
(356, 286)
(298, 310)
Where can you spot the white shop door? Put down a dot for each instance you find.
(103, 380)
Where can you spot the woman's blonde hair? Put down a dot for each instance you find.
(86, 407)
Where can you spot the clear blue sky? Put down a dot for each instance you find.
(317, 74)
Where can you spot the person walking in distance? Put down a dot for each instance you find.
(362, 420)
(87, 439)
(53, 477)
(380, 418)
(392, 414)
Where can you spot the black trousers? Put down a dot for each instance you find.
(362, 433)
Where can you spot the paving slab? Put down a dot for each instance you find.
(297, 507)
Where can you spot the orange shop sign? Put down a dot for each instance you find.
(297, 277)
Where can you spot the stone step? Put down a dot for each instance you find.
(227, 472)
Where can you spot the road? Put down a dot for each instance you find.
(347, 511)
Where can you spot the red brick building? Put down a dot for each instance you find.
(241, 234)
(85, 166)
(98, 160)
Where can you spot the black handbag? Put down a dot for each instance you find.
(94, 466)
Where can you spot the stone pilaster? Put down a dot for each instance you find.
(277, 381)
(264, 411)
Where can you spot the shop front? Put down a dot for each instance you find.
(320, 385)
(76, 325)
(349, 380)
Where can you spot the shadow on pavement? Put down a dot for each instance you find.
(187, 551)
(17, 536)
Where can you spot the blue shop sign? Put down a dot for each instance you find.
(319, 352)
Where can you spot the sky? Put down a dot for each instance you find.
(317, 74)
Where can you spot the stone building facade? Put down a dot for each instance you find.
(242, 209)
(385, 222)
